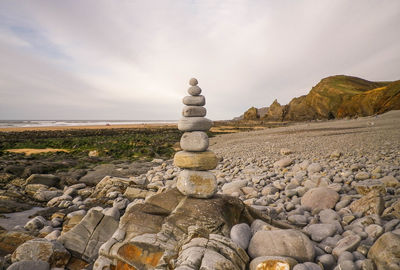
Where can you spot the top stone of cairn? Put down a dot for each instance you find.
(193, 82)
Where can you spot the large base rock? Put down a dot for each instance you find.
(170, 230)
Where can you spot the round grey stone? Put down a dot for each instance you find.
(194, 90)
(276, 243)
(194, 124)
(194, 100)
(327, 260)
(320, 231)
(194, 111)
(347, 265)
(241, 235)
(193, 81)
(345, 256)
(196, 141)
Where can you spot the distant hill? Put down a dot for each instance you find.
(335, 97)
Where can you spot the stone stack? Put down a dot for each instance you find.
(195, 180)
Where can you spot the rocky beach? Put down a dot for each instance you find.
(314, 195)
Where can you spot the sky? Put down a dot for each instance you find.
(132, 60)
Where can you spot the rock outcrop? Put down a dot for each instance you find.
(173, 230)
(335, 97)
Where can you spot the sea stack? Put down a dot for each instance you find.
(195, 180)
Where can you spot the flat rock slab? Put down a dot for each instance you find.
(200, 161)
(85, 239)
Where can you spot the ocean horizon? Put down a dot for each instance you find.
(61, 123)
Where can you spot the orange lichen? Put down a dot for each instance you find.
(137, 255)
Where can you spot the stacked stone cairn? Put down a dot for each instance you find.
(195, 180)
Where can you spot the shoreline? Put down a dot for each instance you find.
(63, 128)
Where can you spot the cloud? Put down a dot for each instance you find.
(132, 59)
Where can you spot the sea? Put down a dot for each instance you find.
(66, 123)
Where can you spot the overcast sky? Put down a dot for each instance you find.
(128, 59)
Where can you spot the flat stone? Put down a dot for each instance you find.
(272, 263)
(319, 232)
(200, 161)
(372, 203)
(349, 243)
(290, 243)
(241, 235)
(385, 251)
(194, 100)
(193, 81)
(44, 179)
(194, 90)
(196, 141)
(284, 162)
(137, 193)
(198, 184)
(194, 124)
(194, 111)
(320, 198)
(362, 176)
(233, 186)
(365, 187)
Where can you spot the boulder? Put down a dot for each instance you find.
(385, 252)
(288, 243)
(170, 225)
(85, 239)
(9, 241)
(241, 235)
(320, 198)
(44, 179)
(41, 249)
